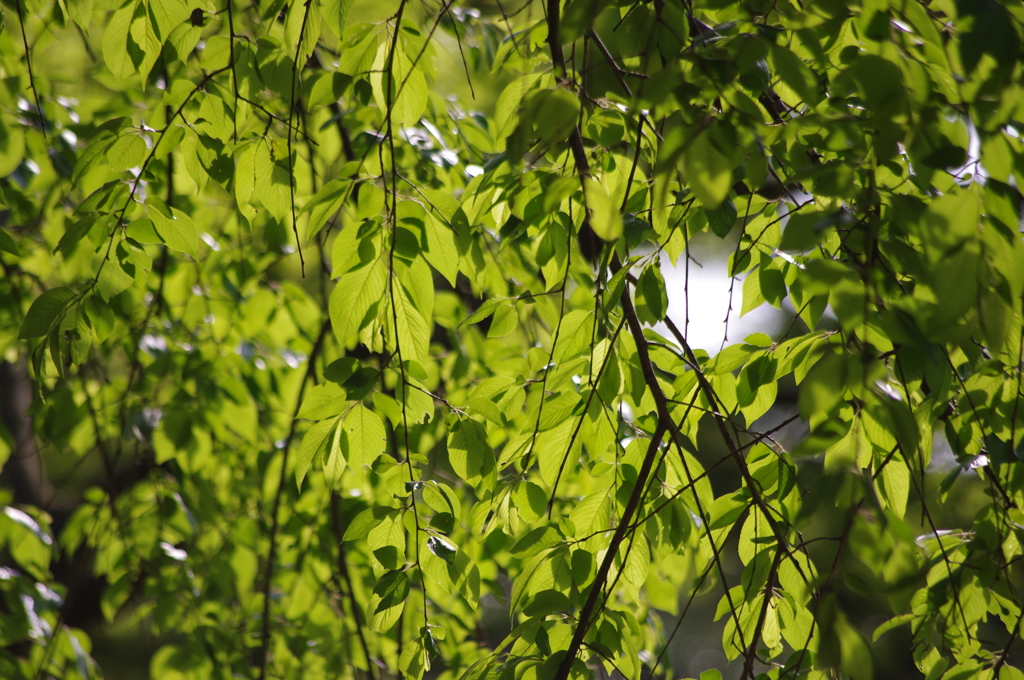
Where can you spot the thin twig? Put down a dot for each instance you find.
(291, 114)
(28, 62)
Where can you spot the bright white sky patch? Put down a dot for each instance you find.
(709, 302)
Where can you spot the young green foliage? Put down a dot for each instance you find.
(357, 338)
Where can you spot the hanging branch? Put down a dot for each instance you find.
(590, 244)
(28, 63)
(291, 117)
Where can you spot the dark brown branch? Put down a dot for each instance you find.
(291, 113)
(586, 614)
(28, 63)
(590, 244)
(720, 421)
(234, 74)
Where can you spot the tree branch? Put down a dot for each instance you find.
(590, 244)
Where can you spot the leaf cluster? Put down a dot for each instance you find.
(354, 326)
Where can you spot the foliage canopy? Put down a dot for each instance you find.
(353, 318)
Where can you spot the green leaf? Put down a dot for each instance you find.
(314, 445)
(127, 152)
(605, 218)
(795, 73)
(354, 246)
(116, 52)
(415, 659)
(591, 516)
(113, 280)
(26, 521)
(115, 595)
(505, 320)
(1010, 673)
(552, 448)
(997, 157)
(824, 148)
(442, 548)
(144, 33)
(856, 655)
(752, 296)
(323, 401)
(271, 182)
(363, 523)
(371, 201)
(334, 457)
(356, 294)
(852, 449)
(245, 174)
(895, 480)
(100, 316)
(389, 595)
(7, 244)
(610, 385)
(302, 28)
(183, 40)
(804, 230)
(44, 312)
(366, 437)
(638, 562)
(324, 205)
(823, 387)
(552, 113)
(168, 15)
(81, 12)
(177, 231)
(408, 87)
(413, 337)
(143, 231)
(530, 500)
(575, 334)
(335, 12)
(506, 109)
(441, 251)
(482, 312)
(216, 54)
(651, 297)
(708, 172)
(721, 219)
(1002, 202)
(470, 455)
(536, 541)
